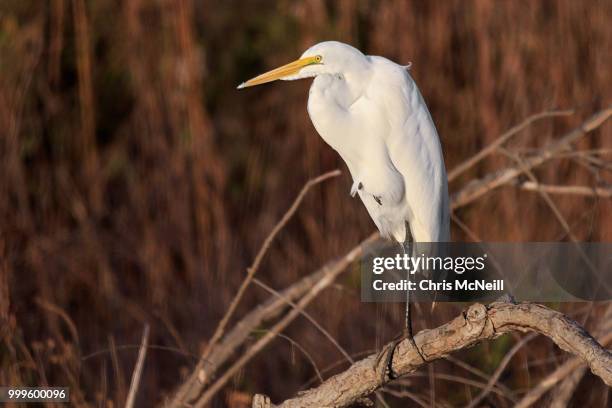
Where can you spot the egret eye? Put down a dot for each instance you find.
(318, 59)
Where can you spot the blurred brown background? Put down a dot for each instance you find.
(137, 183)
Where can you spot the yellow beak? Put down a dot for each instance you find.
(280, 72)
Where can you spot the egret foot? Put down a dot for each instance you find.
(387, 353)
(414, 345)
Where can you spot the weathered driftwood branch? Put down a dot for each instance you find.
(476, 324)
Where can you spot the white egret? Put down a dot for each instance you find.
(371, 112)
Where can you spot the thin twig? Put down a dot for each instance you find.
(320, 328)
(564, 391)
(109, 350)
(468, 231)
(551, 204)
(336, 364)
(406, 394)
(560, 218)
(299, 347)
(137, 374)
(455, 378)
(478, 188)
(119, 380)
(338, 267)
(567, 190)
(268, 310)
(479, 373)
(45, 304)
(260, 255)
(453, 174)
(500, 369)
(309, 318)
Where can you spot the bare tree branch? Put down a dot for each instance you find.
(551, 204)
(337, 267)
(261, 253)
(605, 191)
(213, 356)
(310, 319)
(574, 367)
(137, 374)
(193, 387)
(500, 369)
(555, 377)
(476, 324)
(477, 188)
(472, 161)
(566, 388)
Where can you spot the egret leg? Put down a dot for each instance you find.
(388, 351)
(408, 247)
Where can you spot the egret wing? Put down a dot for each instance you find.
(414, 149)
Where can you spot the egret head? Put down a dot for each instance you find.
(329, 57)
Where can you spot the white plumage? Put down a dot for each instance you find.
(371, 112)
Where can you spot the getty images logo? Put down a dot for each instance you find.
(423, 263)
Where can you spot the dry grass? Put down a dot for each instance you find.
(137, 185)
